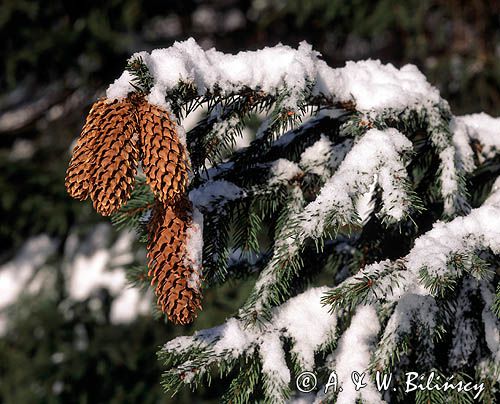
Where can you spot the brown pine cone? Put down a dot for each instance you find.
(164, 160)
(104, 161)
(78, 175)
(115, 159)
(177, 284)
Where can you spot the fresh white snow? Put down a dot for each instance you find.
(370, 84)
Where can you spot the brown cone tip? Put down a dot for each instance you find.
(164, 160)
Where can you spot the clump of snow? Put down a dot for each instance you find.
(272, 355)
(448, 177)
(96, 264)
(284, 244)
(128, 305)
(303, 319)
(432, 251)
(485, 129)
(376, 86)
(479, 229)
(315, 158)
(208, 195)
(412, 310)
(461, 142)
(353, 354)
(121, 86)
(315, 327)
(90, 263)
(89, 271)
(194, 248)
(370, 84)
(377, 151)
(283, 171)
(365, 203)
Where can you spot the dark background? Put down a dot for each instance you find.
(57, 57)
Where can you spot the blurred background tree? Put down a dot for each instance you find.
(58, 57)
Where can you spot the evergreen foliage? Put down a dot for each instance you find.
(418, 259)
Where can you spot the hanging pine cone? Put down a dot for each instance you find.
(81, 166)
(105, 159)
(176, 280)
(164, 160)
(104, 162)
(115, 159)
(103, 166)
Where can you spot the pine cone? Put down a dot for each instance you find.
(104, 165)
(165, 158)
(104, 162)
(116, 157)
(78, 175)
(177, 282)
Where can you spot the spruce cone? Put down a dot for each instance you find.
(165, 158)
(104, 162)
(78, 175)
(115, 157)
(177, 283)
(104, 165)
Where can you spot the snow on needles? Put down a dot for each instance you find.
(354, 352)
(432, 251)
(370, 84)
(210, 194)
(303, 319)
(194, 248)
(485, 129)
(480, 229)
(376, 152)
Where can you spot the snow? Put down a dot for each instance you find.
(128, 305)
(194, 248)
(485, 129)
(464, 235)
(273, 359)
(207, 196)
(90, 263)
(412, 310)
(479, 229)
(365, 203)
(315, 158)
(302, 318)
(448, 177)
(353, 354)
(375, 86)
(17, 274)
(351, 170)
(121, 86)
(370, 84)
(98, 264)
(284, 244)
(316, 324)
(461, 140)
(376, 151)
(283, 171)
